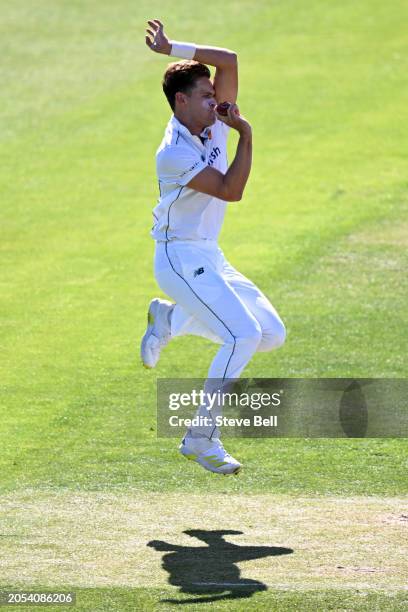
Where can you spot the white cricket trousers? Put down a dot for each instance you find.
(217, 302)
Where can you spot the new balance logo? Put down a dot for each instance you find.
(198, 271)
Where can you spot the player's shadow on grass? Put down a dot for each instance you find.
(211, 569)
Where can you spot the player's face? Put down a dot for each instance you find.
(202, 102)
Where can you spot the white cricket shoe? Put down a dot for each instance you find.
(210, 454)
(157, 333)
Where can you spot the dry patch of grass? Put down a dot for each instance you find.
(388, 234)
(100, 540)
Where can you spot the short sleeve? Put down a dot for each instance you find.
(178, 164)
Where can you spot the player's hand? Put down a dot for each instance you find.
(234, 119)
(156, 39)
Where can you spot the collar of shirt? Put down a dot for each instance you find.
(206, 133)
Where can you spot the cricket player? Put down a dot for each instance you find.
(209, 297)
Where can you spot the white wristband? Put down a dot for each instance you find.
(183, 50)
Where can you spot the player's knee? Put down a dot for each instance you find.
(251, 335)
(280, 335)
(273, 338)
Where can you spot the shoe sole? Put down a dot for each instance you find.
(148, 333)
(145, 338)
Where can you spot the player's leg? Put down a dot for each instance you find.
(174, 320)
(272, 326)
(185, 323)
(211, 301)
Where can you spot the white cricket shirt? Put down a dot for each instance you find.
(183, 213)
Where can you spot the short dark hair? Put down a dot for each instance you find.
(182, 76)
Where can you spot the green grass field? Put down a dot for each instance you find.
(85, 485)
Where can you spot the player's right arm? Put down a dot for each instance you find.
(229, 186)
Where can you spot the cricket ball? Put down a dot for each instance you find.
(222, 109)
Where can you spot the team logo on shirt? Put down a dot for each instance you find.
(198, 271)
(213, 155)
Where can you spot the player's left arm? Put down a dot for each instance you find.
(224, 60)
(226, 81)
